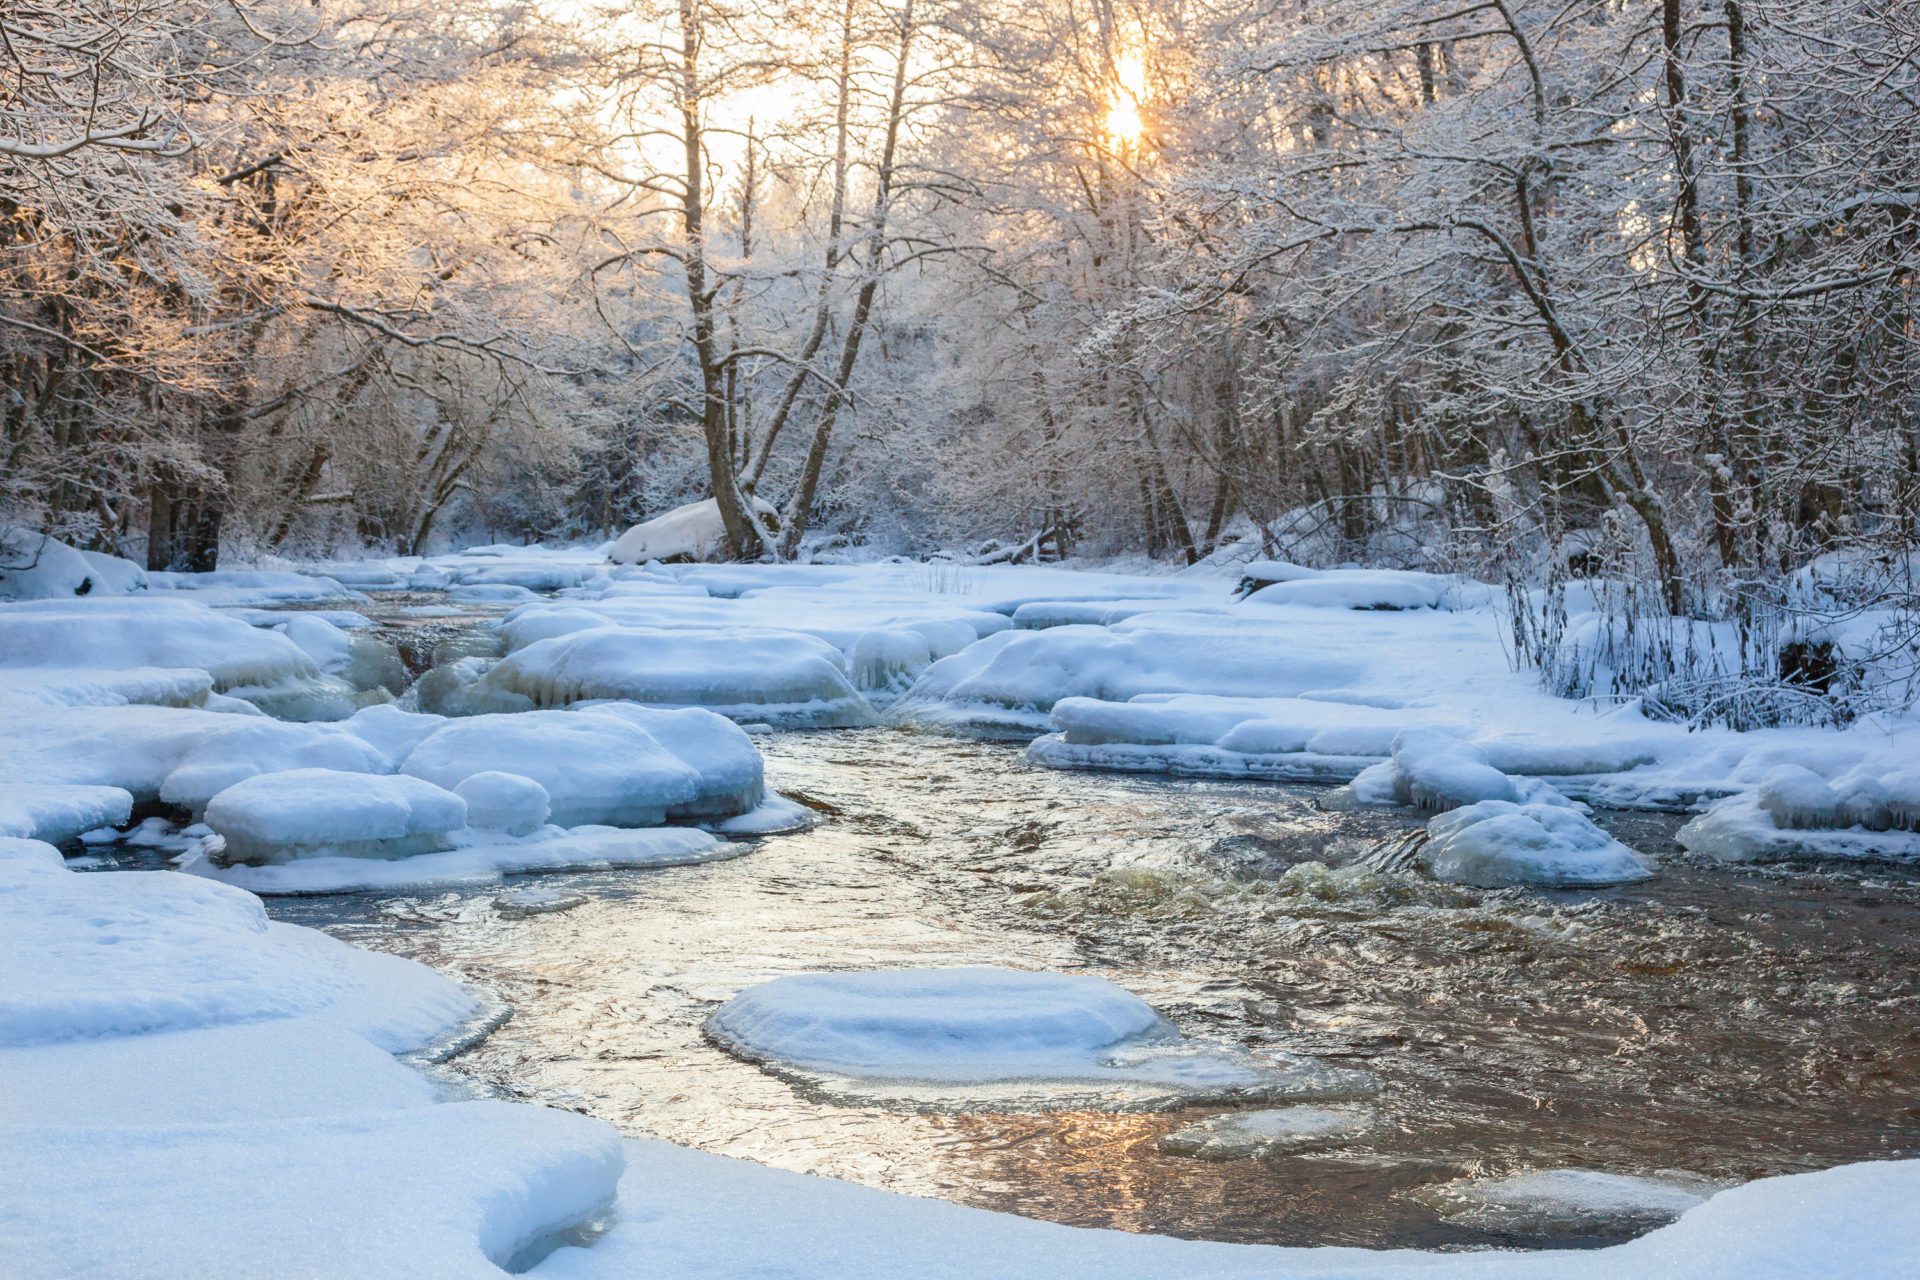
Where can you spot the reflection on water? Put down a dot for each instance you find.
(1733, 1023)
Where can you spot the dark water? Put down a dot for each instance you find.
(1731, 1023)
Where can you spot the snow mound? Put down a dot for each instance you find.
(505, 802)
(595, 768)
(693, 532)
(970, 1029)
(1361, 589)
(1868, 812)
(253, 587)
(25, 852)
(782, 678)
(34, 566)
(302, 813)
(1551, 1201)
(1240, 1135)
(730, 768)
(391, 731)
(54, 811)
(1496, 843)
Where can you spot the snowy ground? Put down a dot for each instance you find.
(242, 1107)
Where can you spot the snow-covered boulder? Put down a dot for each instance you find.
(1436, 771)
(34, 566)
(364, 662)
(391, 731)
(21, 851)
(1496, 843)
(1375, 590)
(149, 631)
(303, 813)
(1241, 1135)
(54, 811)
(595, 768)
(781, 678)
(505, 802)
(241, 748)
(731, 771)
(1797, 797)
(975, 1028)
(693, 532)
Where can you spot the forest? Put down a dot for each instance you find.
(1492, 286)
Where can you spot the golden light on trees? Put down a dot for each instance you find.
(1124, 124)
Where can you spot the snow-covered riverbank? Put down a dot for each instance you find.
(242, 1110)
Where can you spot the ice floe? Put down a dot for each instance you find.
(1548, 1201)
(1240, 1135)
(983, 1033)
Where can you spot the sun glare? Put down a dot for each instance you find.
(1124, 124)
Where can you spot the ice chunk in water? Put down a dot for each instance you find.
(537, 900)
(1238, 1135)
(1496, 843)
(1549, 1201)
(302, 813)
(505, 802)
(974, 1031)
(595, 768)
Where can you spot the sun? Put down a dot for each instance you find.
(1124, 124)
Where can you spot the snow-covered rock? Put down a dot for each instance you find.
(54, 811)
(1435, 771)
(34, 566)
(390, 730)
(148, 630)
(782, 678)
(730, 769)
(691, 532)
(304, 813)
(595, 768)
(1496, 843)
(506, 802)
(231, 749)
(1240, 1135)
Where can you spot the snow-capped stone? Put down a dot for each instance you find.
(54, 811)
(148, 630)
(730, 768)
(1796, 797)
(693, 532)
(19, 851)
(303, 813)
(783, 678)
(34, 566)
(1239, 1135)
(1436, 772)
(1495, 844)
(504, 802)
(390, 730)
(595, 768)
(240, 748)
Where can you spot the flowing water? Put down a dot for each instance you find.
(1730, 1023)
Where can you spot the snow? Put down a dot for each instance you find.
(691, 532)
(147, 630)
(505, 802)
(132, 953)
(256, 587)
(679, 1214)
(1241, 1135)
(300, 813)
(1496, 843)
(964, 1028)
(596, 768)
(391, 731)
